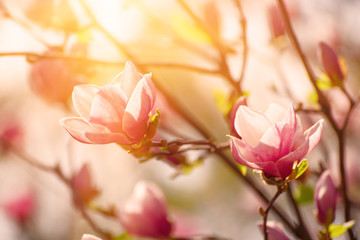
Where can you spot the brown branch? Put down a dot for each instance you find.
(56, 170)
(325, 107)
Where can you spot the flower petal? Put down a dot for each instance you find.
(245, 155)
(128, 78)
(108, 108)
(82, 96)
(251, 125)
(274, 142)
(85, 132)
(274, 112)
(138, 108)
(314, 134)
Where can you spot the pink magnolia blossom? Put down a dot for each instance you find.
(20, 207)
(116, 113)
(11, 132)
(54, 80)
(274, 229)
(89, 237)
(331, 63)
(276, 20)
(272, 140)
(325, 198)
(145, 213)
(83, 190)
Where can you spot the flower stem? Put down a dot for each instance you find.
(264, 213)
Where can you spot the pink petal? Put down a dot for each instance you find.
(85, 132)
(90, 237)
(82, 96)
(138, 108)
(128, 78)
(285, 164)
(314, 134)
(274, 112)
(275, 143)
(251, 125)
(108, 108)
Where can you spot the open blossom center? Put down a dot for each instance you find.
(273, 140)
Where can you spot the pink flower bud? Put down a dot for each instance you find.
(83, 190)
(325, 198)
(277, 24)
(116, 113)
(274, 229)
(20, 207)
(331, 63)
(90, 237)
(11, 133)
(145, 213)
(272, 140)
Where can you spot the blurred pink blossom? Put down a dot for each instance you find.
(11, 132)
(272, 140)
(116, 113)
(21, 206)
(83, 190)
(277, 24)
(331, 64)
(145, 213)
(325, 198)
(54, 80)
(274, 229)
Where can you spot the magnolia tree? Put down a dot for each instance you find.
(189, 85)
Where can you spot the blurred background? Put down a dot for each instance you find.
(49, 46)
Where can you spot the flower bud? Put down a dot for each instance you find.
(21, 206)
(83, 190)
(325, 199)
(274, 230)
(145, 213)
(331, 64)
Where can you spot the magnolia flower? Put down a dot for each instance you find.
(272, 140)
(276, 20)
(54, 80)
(331, 63)
(325, 198)
(81, 184)
(274, 229)
(89, 237)
(20, 207)
(145, 213)
(116, 113)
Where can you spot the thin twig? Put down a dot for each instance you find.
(56, 170)
(264, 213)
(325, 107)
(243, 23)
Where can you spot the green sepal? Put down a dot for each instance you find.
(337, 230)
(124, 236)
(324, 82)
(301, 168)
(153, 125)
(243, 169)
